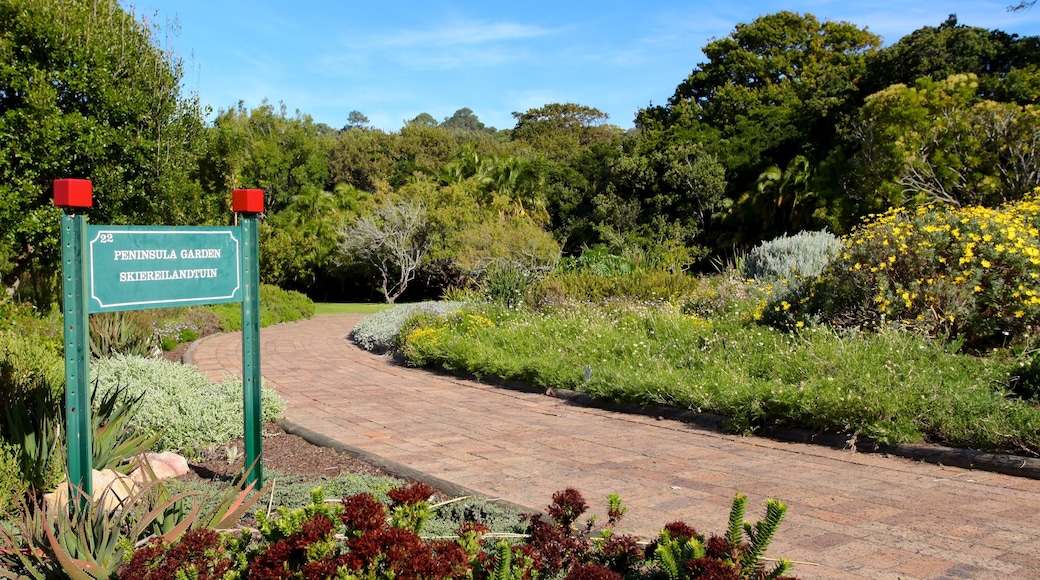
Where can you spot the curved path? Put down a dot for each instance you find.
(850, 515)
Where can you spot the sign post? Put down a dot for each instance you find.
(249, 203)
(137, 267)
(74, 196)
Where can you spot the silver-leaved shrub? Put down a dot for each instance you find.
(190, 411)
(378, 332)
(803, 255)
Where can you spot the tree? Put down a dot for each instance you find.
(355, 120)
(363, 159)
(783, 194)
(298, 244)
(267, 149)
(420, 149)
(423, 120)
(949, 49)
(562, 130)
(394, 239)
(938, 141)
(515, 241)
(463, 119)
(771, 90)
(105, 106)
(660, 196)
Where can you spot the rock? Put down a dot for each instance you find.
(110, 488)
(164, 465)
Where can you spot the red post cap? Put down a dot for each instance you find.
(73, 193)
(247, 200)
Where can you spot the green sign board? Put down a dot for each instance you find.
(113, 268)
(135, 267)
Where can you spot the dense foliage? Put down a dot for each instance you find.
(106, 106)
(790, 124)
(187, 411)
(138, 404)
(360, 537)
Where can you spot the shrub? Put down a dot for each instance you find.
(506, 283)
(27, 363)
(11, 483)
(187, 409)
(599, 261)
(173, 332)
(31, 409)
(588, 286)
(715, 295)
(26, 320)
(180, 325)
(379, 332)
(276, 306)
(96, 542)
(363, 537)
(970, 274)
(892, 386)
(804, 255)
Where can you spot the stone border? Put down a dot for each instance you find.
(396, 469)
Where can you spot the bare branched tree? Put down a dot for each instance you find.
(394, 239)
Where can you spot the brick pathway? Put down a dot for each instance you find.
(850, 515)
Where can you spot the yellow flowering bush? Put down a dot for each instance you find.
(970, 274)
(419, 341)
(425, 332)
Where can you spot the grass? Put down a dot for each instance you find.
(891, 386)
(348, 308)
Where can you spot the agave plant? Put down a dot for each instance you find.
(115, 443)
(34, 422)
(87, 542)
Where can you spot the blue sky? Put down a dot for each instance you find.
(393, 60)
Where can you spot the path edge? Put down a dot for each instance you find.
(396, 469)
(1003, 463)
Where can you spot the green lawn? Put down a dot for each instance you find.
(347, 308)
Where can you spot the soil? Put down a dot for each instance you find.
(176, 355)
(282, 452)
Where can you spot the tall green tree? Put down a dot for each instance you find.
(363, 159)
(464, 119)
(356, 120)
(660, 197)
(420, 150)
(561, 130)
(86, 92)
(424, 119)
(951, 48)
(772, 90)
(298, 245)
(266, 148)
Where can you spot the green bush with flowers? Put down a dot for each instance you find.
(965, 274)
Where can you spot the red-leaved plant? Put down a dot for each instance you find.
(363, 539)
